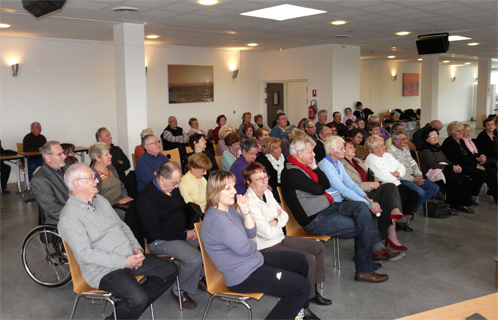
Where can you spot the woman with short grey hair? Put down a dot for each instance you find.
(139, 150)
(222, 134)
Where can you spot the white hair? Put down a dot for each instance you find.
(332, 143)
(73, 173)
(299, 144)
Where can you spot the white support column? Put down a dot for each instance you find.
(429, 88)
(131, 90)
(483, 87)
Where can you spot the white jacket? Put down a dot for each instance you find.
(382, 167)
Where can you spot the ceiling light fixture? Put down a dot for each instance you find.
(457, 38)
(402, 33)
(446, 61)
(391, 57)
(467, 62)
(419, 59)
(152, 36)
(338, 22)
(4, 25)
(207, 2)
(252, 44)
(125, 9)
(473, 44)
(283, 12)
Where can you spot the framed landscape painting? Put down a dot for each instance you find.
(187, 83)
(410, 84)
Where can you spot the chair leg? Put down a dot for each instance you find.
(179, 295)
(338, 253)
(152, 312)
(249, 310)
(335, 254)
(74, 306)
(208, 306)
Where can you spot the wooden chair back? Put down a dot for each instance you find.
(214, 279)
(188, 150)
(418, 160)
(134, 161)
(218, 160)
(292, 227)
(173, 155)
(20, 149)
(215, 147)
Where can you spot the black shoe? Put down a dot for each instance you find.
(309, 315)
(318, 299)
(407, 228)
(111, 317)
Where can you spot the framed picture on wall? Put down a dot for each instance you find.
(188, 83)
(410, 84)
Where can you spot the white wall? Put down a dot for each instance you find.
(296, 102)
(345, 78)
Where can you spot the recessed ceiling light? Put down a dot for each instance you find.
(152, 36)
(125, 9)
(338, 22)
(391, 57)
(252, 44)
(420, 59)
(446, 61)
(467, 62)
(473, 44)
(281, 49)
(207, 2)
(402, 33)
(283, 12)
(457, 38)
(4, 25)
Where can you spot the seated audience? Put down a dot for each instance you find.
(246, 119)
(350, 124)
(341, 129)
(389, 170)
(413, 176)
(160, 211)
(193, 183)
(273, 161)
(69, 152)
(487, 141)
(278, 130)
(110, 187)
(270, 218)
(107, 252)
(287, 140)
(48, 185)
(360, 122)
(258, 120)
(33, 142)
(386, 195)
(120, 161)
(139, 150)
(230, 241)
(456, 185)
(249, 153)
(359, 111)
(194, 127)
(150, 161)
(224, 131)
(417, 135)
(399, 127)
(349, 116)
(322, 119)
(480, 156)
(274, 123)
(221, 120)
(323, 133)
(5, 172)
(301, 124)
(310, 129)
(456, 151)
(174, 137)
(248, 131)
(304, 188)
(232, 152)
(198, 144)
(357, 138)
(261, 135)
(383, 132)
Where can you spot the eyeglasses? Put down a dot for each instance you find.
(259, 180)
(307, 151)
(155, 142)
(95, 176)
(57, 154)
(433, 136)
(105, 155)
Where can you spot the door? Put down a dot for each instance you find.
(274, 101)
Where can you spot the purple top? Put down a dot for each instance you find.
(236, 169)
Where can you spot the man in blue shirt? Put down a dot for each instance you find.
(278, 131)
(150, 161)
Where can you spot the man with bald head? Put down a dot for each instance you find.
(33, 142)
(417, 135)
(107, 252)
(174, 136)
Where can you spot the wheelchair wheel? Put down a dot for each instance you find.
(44, 257)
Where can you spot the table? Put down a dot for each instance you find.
(81, 151)
(17, 158)
(486, 306)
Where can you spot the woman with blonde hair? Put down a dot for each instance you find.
(274, 162)
(193, 184)
(225, 130)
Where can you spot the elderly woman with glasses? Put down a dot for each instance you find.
(274, 161)
(455, 149)
(270, 219)
(160, 209)
(110, 187)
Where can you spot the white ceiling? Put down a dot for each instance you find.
(371, 24)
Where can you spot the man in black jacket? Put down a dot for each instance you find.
(119, 159)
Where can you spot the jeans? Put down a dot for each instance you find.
(282, 275)
(135, 297)
(349, 219)
(33, 163)
(425, 191)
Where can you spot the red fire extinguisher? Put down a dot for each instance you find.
(312, 110)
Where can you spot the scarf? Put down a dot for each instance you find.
(277, 164)
(310, 173)
(359, 169)
(470, 144)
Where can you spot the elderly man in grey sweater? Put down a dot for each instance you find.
(108, 254)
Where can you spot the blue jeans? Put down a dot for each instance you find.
(425, 191)
(349, 219)
(33, 163)
(135, 297)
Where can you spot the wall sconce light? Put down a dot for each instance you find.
(235, 73)
(453, 79)
(15, 69)
(145, 70)
(475, 79)
(395, 77)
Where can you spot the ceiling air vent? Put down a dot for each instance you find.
(125, 9)
(342, 36)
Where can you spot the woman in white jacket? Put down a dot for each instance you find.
(270, 219)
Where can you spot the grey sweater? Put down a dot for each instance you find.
(229, 245)
(99, 239)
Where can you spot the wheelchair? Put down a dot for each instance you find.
(44, 257)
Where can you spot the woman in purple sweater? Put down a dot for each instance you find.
(229, 238)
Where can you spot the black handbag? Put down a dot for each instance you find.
(193, 213)
(438, 210)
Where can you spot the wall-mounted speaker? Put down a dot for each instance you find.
(433, 43)
(40, 8)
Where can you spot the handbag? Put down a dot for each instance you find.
(438, 210)
(193, 213)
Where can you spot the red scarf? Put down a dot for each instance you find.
(310, 172)
(361, 172)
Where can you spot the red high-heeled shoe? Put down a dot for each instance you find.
(400, 218)
(400, 247)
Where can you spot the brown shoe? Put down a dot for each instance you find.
(187, 302)
(202, 284)
(5, 191)
(371, 277)
(384, 254)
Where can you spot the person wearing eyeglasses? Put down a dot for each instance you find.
(150, 161)
(48, 185)
(160, 208)
(110, 187)
(250, 152)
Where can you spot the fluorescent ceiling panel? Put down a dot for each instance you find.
(457, 38)
(283, 12)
